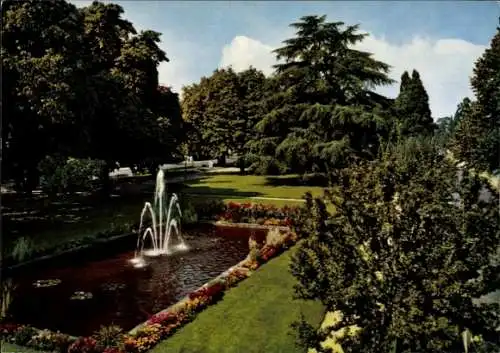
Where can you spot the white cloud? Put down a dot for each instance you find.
(445, 65)
(243, 52)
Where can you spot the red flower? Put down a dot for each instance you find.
(83, 345)
(112, 350)
(164, 318)
(212, 292)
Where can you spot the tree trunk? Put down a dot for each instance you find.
(105, 180)
(221, 161)
(241, 162)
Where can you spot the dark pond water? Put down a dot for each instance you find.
(138, 293)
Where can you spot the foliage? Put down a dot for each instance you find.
(46, 340)
(23, 249)
(258, 213)
(400, 258)
(189, 215)
(274, 237)
(25, 245)
(71, 175)
(109, 336)
(412, 107)
(81, 82)
(84, 345)
(446, 127)
(253, 247)
(221, 111)
(320, 111)
(477, 139)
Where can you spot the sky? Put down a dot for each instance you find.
(440, 39)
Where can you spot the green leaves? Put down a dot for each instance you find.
(222, 111)
(320, 95)
(477, 137)
(81, 82)
(398, 258)
(412, 107)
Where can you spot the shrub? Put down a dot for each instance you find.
(84, 345)
(8, 331)
(23, 248)
(189, 214)
(109, 336)
(50, 341)
(67, 175)
(254, 249)
(274, 237)
(23, 335)
(268, 166)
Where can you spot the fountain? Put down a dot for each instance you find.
(159, 232)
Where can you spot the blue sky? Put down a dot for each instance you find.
(441, 39)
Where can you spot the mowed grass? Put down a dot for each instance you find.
(245, 186)
(253, 317)
(11, 348)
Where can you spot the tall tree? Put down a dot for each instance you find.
(42, 62)
(222, 110)
(402, 259)
(81, 83)
(412, 107)
(252, 83)
(309, 122)
(477, 140)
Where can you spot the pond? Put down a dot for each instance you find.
(77, 295)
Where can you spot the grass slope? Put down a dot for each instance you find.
(244, 186)
(254, 317)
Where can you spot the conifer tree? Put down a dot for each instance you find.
(412, 107)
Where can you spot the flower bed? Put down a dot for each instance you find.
(234, 212)
(161, 325)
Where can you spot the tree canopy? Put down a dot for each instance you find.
(82, 83)
(222, 110)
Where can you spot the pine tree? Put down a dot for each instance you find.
(412, 107)
(320, 111)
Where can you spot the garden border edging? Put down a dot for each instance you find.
(238, 266)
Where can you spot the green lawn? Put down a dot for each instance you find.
(11, 348)
(254, 317)
(245, 186)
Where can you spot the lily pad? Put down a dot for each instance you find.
(81, 296)
(43, 283)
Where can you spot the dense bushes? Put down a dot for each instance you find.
(61, 175)
(401, 259)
